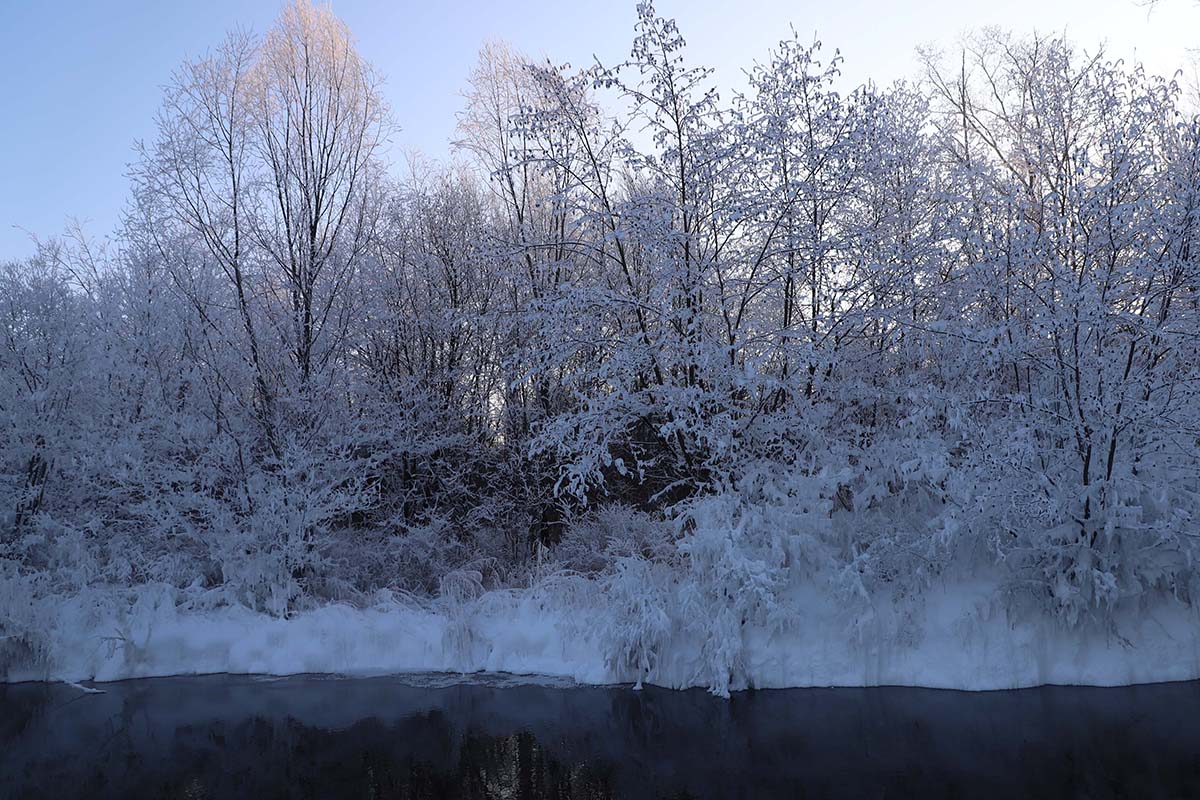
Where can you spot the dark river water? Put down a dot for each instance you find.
(497, 737)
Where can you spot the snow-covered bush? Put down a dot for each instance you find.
(594, 542)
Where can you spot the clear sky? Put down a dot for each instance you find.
(80, 80)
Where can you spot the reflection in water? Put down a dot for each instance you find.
(228, 736)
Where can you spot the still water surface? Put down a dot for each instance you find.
(502, 737)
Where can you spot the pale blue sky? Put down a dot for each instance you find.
(80, 81)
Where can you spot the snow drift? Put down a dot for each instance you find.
(958, 640)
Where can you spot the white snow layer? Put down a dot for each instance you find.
(951, 641)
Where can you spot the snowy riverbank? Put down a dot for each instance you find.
(957, 638)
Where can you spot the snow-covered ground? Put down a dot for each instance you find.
(956, 639)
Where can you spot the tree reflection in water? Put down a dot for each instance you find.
(430, 737)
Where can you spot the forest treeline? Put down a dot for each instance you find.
(797, 331)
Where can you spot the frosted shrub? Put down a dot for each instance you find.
(639, 612)
(42, 626)
(624, 564)
(410, 557)
(595, 542)
(283, 528)
(459, 594)
(742, 553)
(26, 631)
(1082, 554)
(892, 516)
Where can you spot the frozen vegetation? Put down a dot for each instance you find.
(809, 385)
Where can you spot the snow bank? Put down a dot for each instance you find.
(954, 639)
